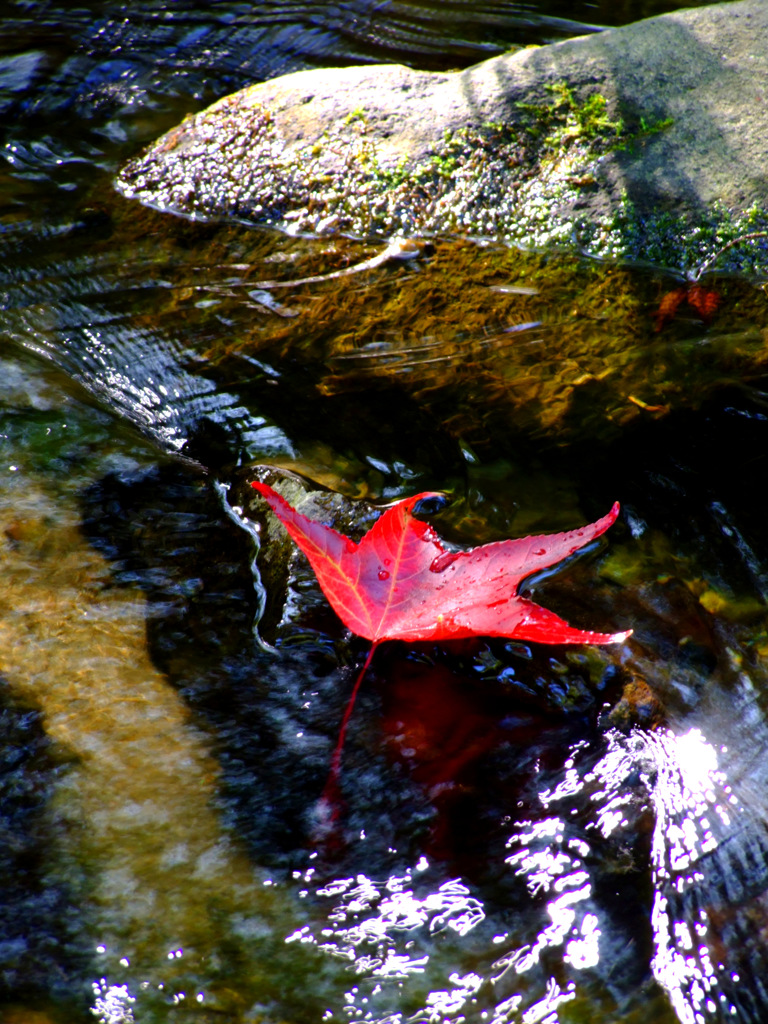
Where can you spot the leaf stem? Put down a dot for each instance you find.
(336, 759)
(331, 798)
(330, 804)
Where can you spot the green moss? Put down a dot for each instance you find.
(717, 242)
(355, 115)
(566, 120)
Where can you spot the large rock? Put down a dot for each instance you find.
(648, 141)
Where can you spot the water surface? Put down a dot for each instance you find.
(526, 834)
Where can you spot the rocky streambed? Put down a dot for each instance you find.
(524, 832)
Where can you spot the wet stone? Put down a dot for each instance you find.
(645, 143)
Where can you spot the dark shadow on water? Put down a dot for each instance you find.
(45, 954)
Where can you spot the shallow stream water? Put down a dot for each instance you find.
(525, 834)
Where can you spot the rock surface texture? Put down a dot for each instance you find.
(644, 142)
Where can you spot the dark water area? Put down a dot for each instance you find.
(523, 833)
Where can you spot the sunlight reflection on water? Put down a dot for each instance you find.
(691, 796)
(385, 930)
(393, 906)
(112, 1004)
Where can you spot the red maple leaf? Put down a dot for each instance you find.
(399, 582)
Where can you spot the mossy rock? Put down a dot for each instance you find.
(646, 142)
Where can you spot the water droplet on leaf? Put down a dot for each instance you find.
(443, 560)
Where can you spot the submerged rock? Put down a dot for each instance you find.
(499, 348)
(643, 142)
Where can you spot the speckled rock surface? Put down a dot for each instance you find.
(643, 142)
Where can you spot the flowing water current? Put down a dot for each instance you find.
(523, 834)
